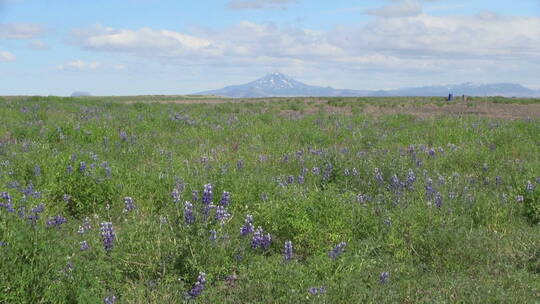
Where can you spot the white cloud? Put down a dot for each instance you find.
(406, 8)
(78, 65)
(414, 46)
(38, 45)
(259, 4)
(21, 31)
(6, 56)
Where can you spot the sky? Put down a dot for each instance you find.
(136, 47)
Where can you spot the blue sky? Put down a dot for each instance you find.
(129, 47)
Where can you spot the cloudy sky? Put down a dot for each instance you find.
(128, 47)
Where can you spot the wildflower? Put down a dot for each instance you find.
(175, 195)
(66, 198)
(361, 198)
(300, 179)
(378, 176)
(194, 196)
(411, 177)
(338, 250)
(2, 244)
(225, 199)
(290, 179)
(38, 209)
(240, 164)
(108, 235)
(384, 278)
(207, 194)
(198, 288)
(189, 217)
(5, 196)
(69, 169)
(123, 136)
(84, 245)
(519, 198)
(85, 226)
(56, 221)
(438, 200)
(213, 235)
(109, 300)
(247, 228)
(316, 170)
(529, 187)
(313, 290)
(129, 204)
(82, 167)
(431, 152)
(498, 180)
(387, 222)
(37, 170)
(288, 251)
(221, 214)
(260, 240)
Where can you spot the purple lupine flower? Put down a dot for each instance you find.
(438, 200)
(225, 199)
(129, 204)
(108, 173)
(198, 288)
(261, 240)
(82, 167)
(38, 209)
(175, 195)
(5, 196)
(361, 198)
(66, 198)
(327, 172)
(346, 172)
(431, 152)
(123, 136)
(338, 250)
(194, 196)
(37, 170)
(288, 251)
(384, 278)
(240, 164)
(519, 198)
(378, 176)
(300, 179)
(85, 226)
(208, 196)
(213, 235)
(394, 182)
(411, 177)
(84, 245)
(322, 289)
(2, 244)
(290, 179)
(313, 290)
(108, 235)
(69, 169)
(189, 217)
(109, 300)
(221, 214)
(56, 221)
(247, 228)
(387, 222)
(529, 187)
(316, 170)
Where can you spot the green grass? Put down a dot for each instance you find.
(479, 244)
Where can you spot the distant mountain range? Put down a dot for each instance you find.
(279, 85)
(80, 94)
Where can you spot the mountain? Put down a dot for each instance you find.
(467, 88)
(79, 94)
(279, 85)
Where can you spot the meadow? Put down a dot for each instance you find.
(292, 200)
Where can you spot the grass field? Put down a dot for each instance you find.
(159, 199)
